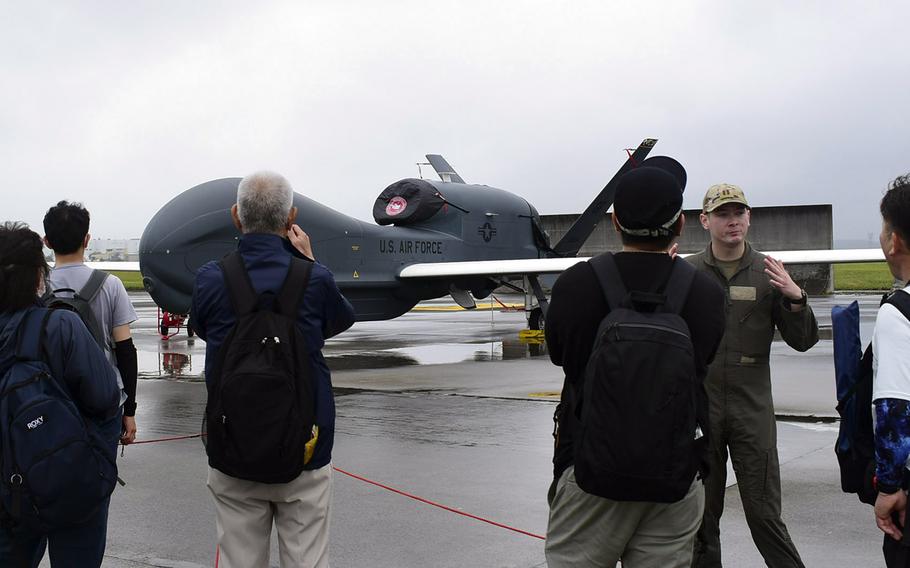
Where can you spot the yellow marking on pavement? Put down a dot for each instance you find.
(545, 394)
(531, 335)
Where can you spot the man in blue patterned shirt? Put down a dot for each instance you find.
(891, 377)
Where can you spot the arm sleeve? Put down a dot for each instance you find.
(798, 329)
(84, 368)
(128, 366)
(338, 314)
(892, 440)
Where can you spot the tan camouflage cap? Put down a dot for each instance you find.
(721, 194)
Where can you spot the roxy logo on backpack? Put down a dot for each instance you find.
(55, 473)
(638, 402)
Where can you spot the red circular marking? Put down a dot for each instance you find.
(396, 205)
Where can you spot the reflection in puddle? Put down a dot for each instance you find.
(176, 363)
(170, 365)
(437, 354)
(369, 360)
(183, 365)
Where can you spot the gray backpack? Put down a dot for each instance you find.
(79, 302)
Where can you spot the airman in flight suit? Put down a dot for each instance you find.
(761, 296)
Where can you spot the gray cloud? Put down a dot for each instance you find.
(125, 106)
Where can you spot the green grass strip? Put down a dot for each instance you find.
(862, 276)
(131, 280)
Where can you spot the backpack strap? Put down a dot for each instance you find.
(676, 290)
(901, 301)
(611, 283)
(295, 284)
(93, 286)
(31, 335)
(240, 289)
(680, 282)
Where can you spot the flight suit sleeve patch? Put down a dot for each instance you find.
(744, 293)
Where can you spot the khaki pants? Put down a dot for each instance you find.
(589, 531)
(245, 510)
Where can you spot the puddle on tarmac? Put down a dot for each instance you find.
(190, 367)
(436, 354)
(170, 365)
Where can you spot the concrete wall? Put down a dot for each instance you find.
(798, 227)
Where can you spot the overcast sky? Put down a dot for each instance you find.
(123, 105)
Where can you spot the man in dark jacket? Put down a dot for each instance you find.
(586, 529)
(244, 509)
(760, 296)
(76, 361)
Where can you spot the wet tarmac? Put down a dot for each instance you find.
(453, 407)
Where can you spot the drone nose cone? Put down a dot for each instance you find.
(167, 283)
(190, 230)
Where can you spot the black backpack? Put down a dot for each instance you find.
(55, 471)
(260, 415)
(638, 403)
(855, 446)
(79, 302)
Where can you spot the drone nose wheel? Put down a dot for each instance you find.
(536, 319)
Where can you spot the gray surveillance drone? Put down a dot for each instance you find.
(431, 239)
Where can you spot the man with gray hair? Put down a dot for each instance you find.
(272, 278)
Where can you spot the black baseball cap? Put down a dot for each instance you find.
(649, 200)
(670, 166)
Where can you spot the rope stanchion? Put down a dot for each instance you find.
(439, 505)
(382, 486)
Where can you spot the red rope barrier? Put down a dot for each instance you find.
(441, 506)
(166, 439)
(383, 486)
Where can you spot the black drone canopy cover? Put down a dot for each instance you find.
(406, 202)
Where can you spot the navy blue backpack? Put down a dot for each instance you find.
(855, 446)
(54, 471)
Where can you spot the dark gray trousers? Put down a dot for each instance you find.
(753, 451)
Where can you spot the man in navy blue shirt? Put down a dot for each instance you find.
(300, 509)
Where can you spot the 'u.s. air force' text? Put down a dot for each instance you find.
(392, 246)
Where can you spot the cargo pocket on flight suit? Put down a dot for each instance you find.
(763, 489)
(770, 497)
(752, 475)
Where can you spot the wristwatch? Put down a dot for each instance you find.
(803, 299)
